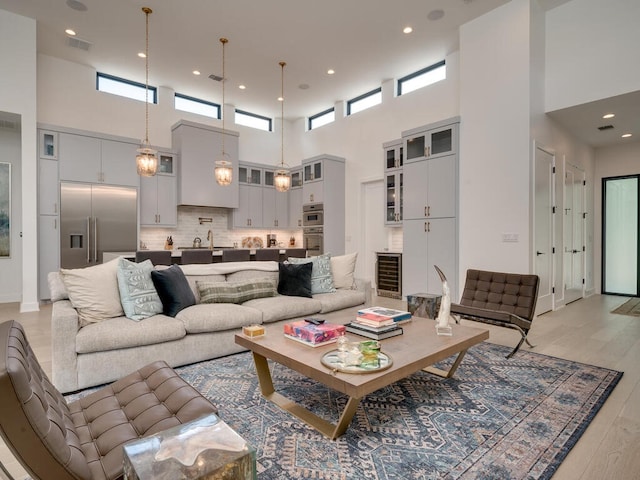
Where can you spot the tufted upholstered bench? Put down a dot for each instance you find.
(504, 299)
(84, 439)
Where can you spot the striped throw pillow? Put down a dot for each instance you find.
(234, 292)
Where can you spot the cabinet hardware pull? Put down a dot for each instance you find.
(55, 207)
(425, 211)
(428, 210)
(428, 151)
(95, 239)
(88, 239)
(427, 227)
(55, 223)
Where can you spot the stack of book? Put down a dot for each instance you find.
(378, 323)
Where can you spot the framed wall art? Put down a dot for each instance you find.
(5, 210)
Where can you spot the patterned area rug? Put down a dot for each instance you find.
(630, 307)
(497, 418)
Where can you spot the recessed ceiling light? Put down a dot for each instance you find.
(303, 86)
(331, 71)
(76, 5)
(609, 115)
(68, 31)
(435, 14)
(242, 87)
(142, 55)
(407, 30)
(280, 99)
(196, 72)
(627, 135)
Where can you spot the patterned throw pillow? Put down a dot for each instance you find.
(321, 276)
(234, 292)
(137, 293)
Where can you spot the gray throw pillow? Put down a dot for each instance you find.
(137, 293)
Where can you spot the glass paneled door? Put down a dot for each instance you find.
(620, 242)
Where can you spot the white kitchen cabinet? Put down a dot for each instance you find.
(275, 208)
(48, 144)
(158, 201)
(327, 188)
(427, 243)
(295, 204)
(85, 158)
(430, 188)
(198, 146)
(394, 199)
(250, 175)
(249, 211)
(48, 251)
(431, 141)
(48, 196)
(393, 154)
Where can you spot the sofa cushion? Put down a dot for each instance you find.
(294, 280)
(321, 277)
(121, 332)
(283, 307)
(234, 292)
(173, 289)
(342, 268)
(218, 317)
(137, 294)
(93, 291)
(341, 298)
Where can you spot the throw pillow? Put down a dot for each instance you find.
(321, 277)
(173, 290)
(342, 268)
(137, 294)
(234, 292)
(294, 280)
(93, 291)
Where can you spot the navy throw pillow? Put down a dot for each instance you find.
(294, 280)
(173, 290)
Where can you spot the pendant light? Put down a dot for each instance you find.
(146, 159)
(223, 171)
(282, 180)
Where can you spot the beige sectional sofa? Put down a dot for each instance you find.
(100, 352)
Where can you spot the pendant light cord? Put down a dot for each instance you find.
(147, 11)
(282, 65)
(224, 78)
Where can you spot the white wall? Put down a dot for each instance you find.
(592, 51)
(19, 277)
(495, 146)
(610, 162)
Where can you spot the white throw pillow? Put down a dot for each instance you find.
(137, 293)
(342, 268)
(93, 291)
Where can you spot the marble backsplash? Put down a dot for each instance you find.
(189, 227)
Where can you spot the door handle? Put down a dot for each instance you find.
(575, 251)
(539, 253)
(88, 239)
(95, 239)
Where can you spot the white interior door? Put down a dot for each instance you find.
(544, 202)
(573, 252)
(373, 232)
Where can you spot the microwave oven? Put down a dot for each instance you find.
(312, 215)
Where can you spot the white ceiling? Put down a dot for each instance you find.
(361, 40)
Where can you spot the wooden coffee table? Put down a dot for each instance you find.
(417, 349)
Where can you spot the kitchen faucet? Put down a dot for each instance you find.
(210, 238)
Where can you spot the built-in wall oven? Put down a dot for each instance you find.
(312, 215)
(313, 240)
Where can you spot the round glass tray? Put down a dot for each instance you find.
(333, 361)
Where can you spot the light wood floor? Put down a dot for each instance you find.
(584, 331)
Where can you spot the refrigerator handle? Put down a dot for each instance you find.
(95, 239)
(88, 239)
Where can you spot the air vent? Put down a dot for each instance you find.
(78, 43)
(7, 125)
(605, 127)
(215, 77)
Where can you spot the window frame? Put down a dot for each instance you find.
(318, 115)
(189, 98)
(418, 73)
(254, 115)
(151, 90)
(359, 98)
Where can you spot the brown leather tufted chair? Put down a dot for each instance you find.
(504, 299)
(84, 439)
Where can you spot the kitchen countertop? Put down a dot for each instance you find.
(176, 253)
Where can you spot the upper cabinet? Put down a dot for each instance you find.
(48, 147)
(85, 158)
(158, 195)
(432, 141)
(199, 146)
(312, 171)
(250, 175)
(393, 155)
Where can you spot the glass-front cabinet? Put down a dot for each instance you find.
(165, 165)
(420, 144)
(48, 144)
(393, 198)
(393, 154)
(296, 178)
(249, 175)
(313, 171)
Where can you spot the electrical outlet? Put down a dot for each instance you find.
(510, 237)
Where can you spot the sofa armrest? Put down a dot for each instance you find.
(363, 285)
(64, 359)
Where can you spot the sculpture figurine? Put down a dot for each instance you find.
(444, 314)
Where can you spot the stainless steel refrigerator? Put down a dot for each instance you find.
(95, 219)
